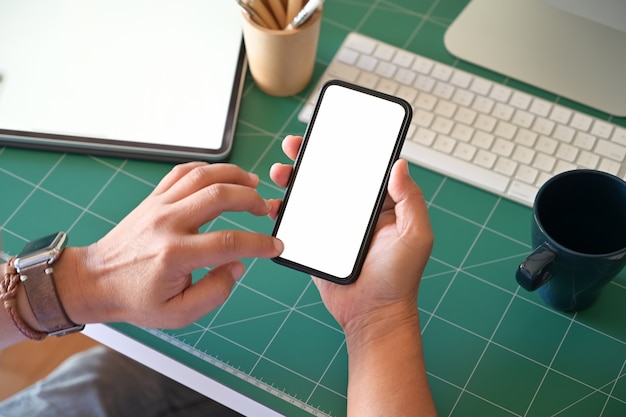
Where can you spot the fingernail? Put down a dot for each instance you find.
(278, 245)
(237, 270)
(253, 177)
(405, 167)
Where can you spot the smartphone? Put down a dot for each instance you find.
(339, 180)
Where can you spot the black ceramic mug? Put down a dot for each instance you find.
(579, 235)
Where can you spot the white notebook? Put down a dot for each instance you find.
(158, 79)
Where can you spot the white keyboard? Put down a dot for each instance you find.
(475, 130)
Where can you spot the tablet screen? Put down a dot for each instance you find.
(157, 78)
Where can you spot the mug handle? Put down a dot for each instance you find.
(537, 268)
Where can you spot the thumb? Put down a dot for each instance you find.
(410, 206)
(209, 292)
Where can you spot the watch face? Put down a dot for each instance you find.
(47, 242)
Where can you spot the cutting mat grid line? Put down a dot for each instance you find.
(549, 367)
(489, 341)
(490, 348)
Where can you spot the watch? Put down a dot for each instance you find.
(34, 265)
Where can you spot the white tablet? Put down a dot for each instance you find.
(160, 79)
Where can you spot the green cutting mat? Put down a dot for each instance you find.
(491, 349)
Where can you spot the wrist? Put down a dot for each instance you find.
(74, 281)
(382, 325)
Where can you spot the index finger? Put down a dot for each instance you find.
(202, 176)
(291, 145)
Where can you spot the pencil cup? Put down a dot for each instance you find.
(282, 61)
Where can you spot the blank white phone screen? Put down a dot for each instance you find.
(342, 170)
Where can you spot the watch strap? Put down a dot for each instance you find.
(8, 295)
(44, 301)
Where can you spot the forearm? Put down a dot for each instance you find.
(387, 375)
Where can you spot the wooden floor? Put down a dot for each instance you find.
(27, 362)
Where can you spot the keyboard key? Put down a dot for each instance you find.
(619, 136)
(425, 101)
(609, 166)
(500, 93)
(523, 155)
(505, 130)
(523, 119)
(584, 140)
(546, 145)
(505, 166)
(441, 72)
(567, 152)
(561, 114)
(544, 162)
(463, 97)
(526, 137)
(520, 100)
(386, 69)
(588, 160)
(464, 151)
(442, 125)
(543, 126)
(443, 90)
(485, 159)
(465, 115)
(445, 108)
(461, 79)
(424, 83)
(343, 71)
(361, 44)
(581, 122)
(423, 65)
(366, 63)
(562, 166)
(462, 132)
(483, 139)
(481, 86)
(483, 104)
(444, 144)
(407, 93)
(347, 56)
(423, 118)
(502, 111)
(526, 174)
(387, 86)
(486, 123)
(563, 133)
(540, 107)
(405, 76)
(542, 178)
(601, 129)
(522, 191)
(424, 136)
(503, 147)
(403, 59)
(384, 52)
(611, 150)
(367, 79)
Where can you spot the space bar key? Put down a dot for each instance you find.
(454, 167)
